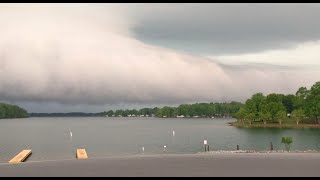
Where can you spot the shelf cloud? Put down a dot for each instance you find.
(90, 55)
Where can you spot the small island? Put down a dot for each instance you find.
(8, 111)
(301, 110)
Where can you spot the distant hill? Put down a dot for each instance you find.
(8, 111)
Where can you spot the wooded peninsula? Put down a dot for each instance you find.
(277, 110)
(12, 111)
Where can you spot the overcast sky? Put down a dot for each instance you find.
(96, 57)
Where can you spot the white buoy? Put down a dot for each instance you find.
(70, 133)
(164, 148)
(205, 142)
(173, 133)
(142, 149)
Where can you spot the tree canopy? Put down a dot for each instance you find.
(185, 110)
(12, 111)
(304, 104)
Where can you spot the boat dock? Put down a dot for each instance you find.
(21, 156)
(81, 154)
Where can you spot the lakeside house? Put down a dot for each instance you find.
(176, 116)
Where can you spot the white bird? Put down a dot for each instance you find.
(173, 133)
(70, 133)
(142, 149)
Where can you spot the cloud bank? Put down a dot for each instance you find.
(227, 28)
(303, 55)
(88, 55)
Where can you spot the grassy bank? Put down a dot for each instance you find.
(259, 124)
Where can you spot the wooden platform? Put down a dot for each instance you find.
(21, 156)
(82, 154)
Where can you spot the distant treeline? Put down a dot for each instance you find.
(71, 114)
(12, 111)
(303, 106)
(184, 110)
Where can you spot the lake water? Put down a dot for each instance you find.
(49, 138)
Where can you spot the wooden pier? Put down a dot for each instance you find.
(21, 156)
(82, 154)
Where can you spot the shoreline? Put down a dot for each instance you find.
(258, 152)
(166, 165)
(208, 153)
(274, 125)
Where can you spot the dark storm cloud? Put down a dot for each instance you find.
(86, 57)
(227, 28)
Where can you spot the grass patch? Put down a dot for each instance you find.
(286, 124)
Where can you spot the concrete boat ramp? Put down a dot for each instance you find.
(185, 165)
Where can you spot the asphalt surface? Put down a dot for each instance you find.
(196, 165)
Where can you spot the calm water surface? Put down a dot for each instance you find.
(49, 138)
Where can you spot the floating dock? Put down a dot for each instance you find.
(21, 156)
(81, 154)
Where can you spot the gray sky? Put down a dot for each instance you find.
(95, 57)
(228, 28)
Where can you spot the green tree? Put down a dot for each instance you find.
(2, 111)
(281, 116)
(265, 117)
(241, 115)
(135, 112)
(264, 113)
(159, 112)
(287, 141)
(257, 100)
(251, 109)
(110, 113)
(288, 102)
(250, 117)
(297, 115)
(313, 102)
(273, 108)
(300, 98)
(184, 109)
(277, 98)
(119, 112)
(302, 92)
(155, 110)
(212, 110)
